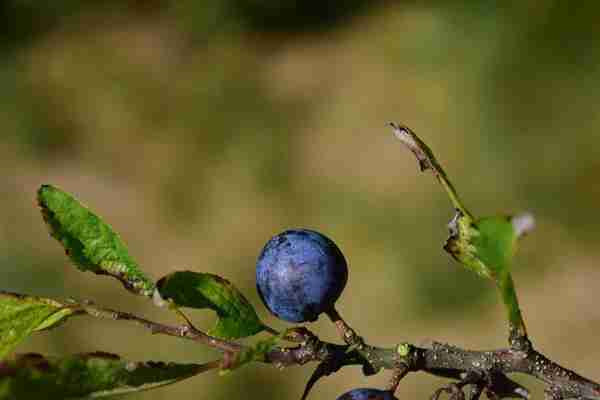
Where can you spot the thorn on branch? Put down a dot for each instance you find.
(331, 365)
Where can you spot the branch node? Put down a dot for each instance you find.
(519, 342)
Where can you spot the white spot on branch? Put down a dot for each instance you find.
(523, 223)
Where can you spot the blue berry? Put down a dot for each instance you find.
(367, 394)
(300, 274)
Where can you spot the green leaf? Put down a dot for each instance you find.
(32, 376)
(495, 243)
(256, 353)
(21, 315)
(237, 317)
(89, 242)
(485, 246)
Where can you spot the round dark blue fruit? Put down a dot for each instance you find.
(367, 394)
(300, 274)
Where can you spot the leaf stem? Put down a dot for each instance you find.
(516, 324)
(270, 330)
(347, 334)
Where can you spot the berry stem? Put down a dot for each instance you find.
(270, 330)
(348, 335)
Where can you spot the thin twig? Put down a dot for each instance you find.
(437, 359)
(426, 161)
(183, 331)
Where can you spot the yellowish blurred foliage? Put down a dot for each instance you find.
(199, 132)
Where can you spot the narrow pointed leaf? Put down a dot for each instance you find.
(22, 315)
(88, 241)
(32, 376)
(236, 316)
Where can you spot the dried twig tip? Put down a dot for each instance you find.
(414, 144)
(402, 132)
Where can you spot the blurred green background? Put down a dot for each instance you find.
(201, 129)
